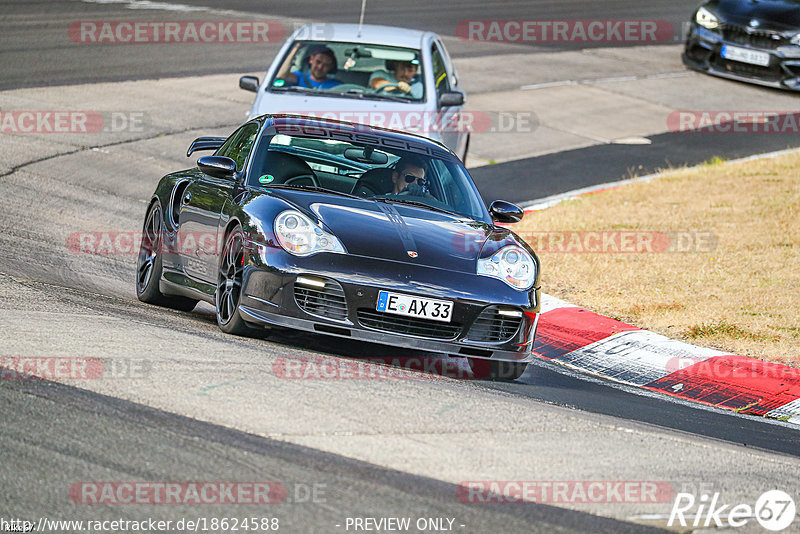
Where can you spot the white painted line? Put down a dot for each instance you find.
(633, 140)
(548, 84)
(667, 75)
(637, 357)
(612, 79)
(146, 4)
(185, 8)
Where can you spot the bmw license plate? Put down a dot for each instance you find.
(745, 55)
(436, 310)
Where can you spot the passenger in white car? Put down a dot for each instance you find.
(322, 63)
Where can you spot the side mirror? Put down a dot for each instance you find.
(249, 83)
(505, 212)
(217, 166)
(452, 98)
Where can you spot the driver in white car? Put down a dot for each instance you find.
(403, 78)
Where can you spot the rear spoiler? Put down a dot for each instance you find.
(205, 143)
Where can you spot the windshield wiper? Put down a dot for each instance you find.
(375, 96)
(416, 203)
(295, 89)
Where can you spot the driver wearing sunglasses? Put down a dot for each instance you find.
(408, 177)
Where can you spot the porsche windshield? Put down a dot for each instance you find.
(351, 70)
(366, 171)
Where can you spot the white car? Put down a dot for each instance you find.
(366, 84)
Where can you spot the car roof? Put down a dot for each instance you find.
(368, 33)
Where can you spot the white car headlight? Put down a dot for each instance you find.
(511, 264)
(299, 236)
(706, 19)
(796, 40)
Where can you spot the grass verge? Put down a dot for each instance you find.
(709, 255)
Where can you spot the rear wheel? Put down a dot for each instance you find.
(229, 285)
(148, 265)
(496, 370)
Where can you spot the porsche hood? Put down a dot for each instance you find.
(403, 233)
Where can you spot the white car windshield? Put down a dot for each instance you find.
(351, 70)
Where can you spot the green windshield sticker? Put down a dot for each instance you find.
(267, 178)
(279, 83)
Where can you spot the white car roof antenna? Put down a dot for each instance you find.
(361, 18)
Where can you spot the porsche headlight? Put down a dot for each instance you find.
(796, 40)
(511, 264)
(299, 236)
(706, 19)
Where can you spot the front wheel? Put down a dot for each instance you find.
(148, 265)
(229, 285)
(496, 370)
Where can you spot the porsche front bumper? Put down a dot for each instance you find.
(336, 294)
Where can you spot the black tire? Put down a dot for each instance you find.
(496, 370)
(148, 265)
(229, 285)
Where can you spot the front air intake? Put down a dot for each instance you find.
(322, 297)
(495, 325)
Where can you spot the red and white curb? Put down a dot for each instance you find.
(601, 346)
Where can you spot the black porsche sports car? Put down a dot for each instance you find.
(756, 41)
(345, 230)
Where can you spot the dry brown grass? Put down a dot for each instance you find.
(741, 296)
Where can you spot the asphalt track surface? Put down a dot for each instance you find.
(35, 49)
(322, 489)
(54, 434)
(533, 178)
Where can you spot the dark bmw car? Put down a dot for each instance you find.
(344, 230)
(757, 41)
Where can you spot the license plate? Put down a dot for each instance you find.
(436, 310)
(745, 55)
